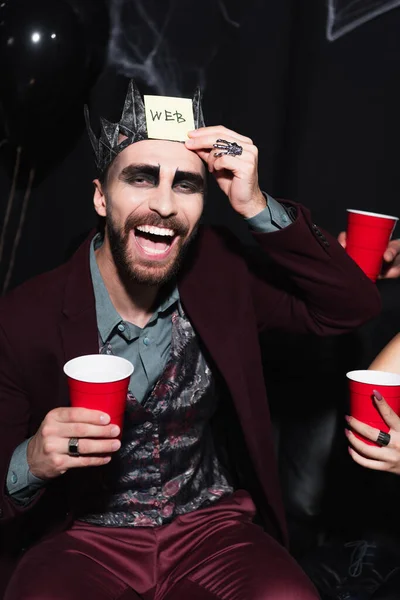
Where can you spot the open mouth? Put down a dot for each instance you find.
(155, 241)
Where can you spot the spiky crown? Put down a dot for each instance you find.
(132, 125)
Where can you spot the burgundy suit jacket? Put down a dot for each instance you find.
(306, 283)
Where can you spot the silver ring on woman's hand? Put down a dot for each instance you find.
(383, 438)
(73, 446)
(231, 148)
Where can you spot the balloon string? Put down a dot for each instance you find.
(19, 230)
(10, 201)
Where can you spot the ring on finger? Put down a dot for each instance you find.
(231, 148)
(383, 438)
(73, 446)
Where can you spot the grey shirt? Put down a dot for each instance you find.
(146, 348)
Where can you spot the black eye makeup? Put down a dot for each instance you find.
(188, 182)
(140, 173)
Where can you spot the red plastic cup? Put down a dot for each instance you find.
(362, 405)
(100, 382)
(368, 235)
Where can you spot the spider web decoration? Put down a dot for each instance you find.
(165, 44)
(346, 15)
(138, 46)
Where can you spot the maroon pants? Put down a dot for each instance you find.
(216, 553)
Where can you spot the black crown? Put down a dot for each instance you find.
(132, 127)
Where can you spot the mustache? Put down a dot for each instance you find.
(156, 220)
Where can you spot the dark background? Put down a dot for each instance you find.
(325, 117)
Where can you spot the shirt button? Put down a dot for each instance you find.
(14, 477)
(121, 327)
(146, 341)
(153, 491)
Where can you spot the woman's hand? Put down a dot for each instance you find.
(384, 458)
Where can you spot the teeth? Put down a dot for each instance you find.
(153, 251)
(156, 230)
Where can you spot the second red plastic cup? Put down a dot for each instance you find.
(368, 235)
(100, 382)
(362, 405)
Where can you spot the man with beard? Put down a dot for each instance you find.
(186, 504)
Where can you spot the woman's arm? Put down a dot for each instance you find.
(389, 358)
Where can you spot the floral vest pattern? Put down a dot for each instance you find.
(167, 465)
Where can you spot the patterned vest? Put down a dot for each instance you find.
(167, 465)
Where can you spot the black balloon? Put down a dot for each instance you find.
(50, 57)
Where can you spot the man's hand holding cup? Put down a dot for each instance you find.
(48, 450)
(367, 241)
(391, 257)
(87, 433)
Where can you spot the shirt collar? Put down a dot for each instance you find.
(107, 316)
(171, 299)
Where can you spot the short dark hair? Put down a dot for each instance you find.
(103, 177)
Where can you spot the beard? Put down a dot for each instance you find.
(146, 272)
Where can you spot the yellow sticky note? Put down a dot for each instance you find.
(168, 118)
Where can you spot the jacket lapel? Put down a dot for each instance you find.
(202, 296)
(78, 324)
(216, 312)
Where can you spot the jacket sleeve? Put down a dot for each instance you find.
(306, 283)
(14, 425)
